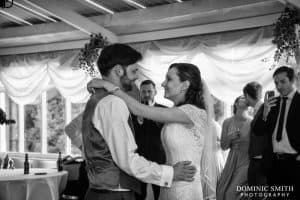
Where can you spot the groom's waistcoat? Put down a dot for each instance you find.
(103, 173)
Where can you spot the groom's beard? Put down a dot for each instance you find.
(126, 83)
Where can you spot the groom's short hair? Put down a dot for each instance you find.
(117, 54)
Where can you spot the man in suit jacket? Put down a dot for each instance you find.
(253, 93)
(280, 123)
(147, 135)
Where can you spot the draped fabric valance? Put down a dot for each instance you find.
(227, 61)
(24, 77)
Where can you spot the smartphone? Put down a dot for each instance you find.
(270, 93)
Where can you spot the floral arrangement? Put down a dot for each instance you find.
(89, 54)
(286, 34)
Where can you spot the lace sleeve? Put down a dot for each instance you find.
(197, 116)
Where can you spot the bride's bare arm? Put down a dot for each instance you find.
(155, 113)
(225, 141)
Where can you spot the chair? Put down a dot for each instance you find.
(73, 186)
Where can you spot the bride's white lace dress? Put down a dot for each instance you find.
(185, 143)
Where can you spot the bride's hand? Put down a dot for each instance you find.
(99, 83)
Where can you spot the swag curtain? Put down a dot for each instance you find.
(24, 77)
(227, 61)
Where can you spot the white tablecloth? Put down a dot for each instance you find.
(14, 185)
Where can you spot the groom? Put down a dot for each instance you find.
(113, 166)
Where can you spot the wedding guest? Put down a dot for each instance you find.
(73, 131)
(235, 136)
(256, 177)
(147, 135)
(280, 124)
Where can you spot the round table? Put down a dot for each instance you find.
(39, 184)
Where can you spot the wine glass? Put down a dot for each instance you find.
(233, 129)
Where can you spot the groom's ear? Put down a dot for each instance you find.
(118, 70)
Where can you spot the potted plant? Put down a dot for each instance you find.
(286, 35)
(89, 54)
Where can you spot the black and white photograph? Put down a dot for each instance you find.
(149, 99)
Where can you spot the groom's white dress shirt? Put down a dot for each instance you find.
(111, 120)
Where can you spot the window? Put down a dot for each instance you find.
(39, 126)
(32, 123)
(56, 115)
(12, 131)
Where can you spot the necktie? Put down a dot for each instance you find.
(281, 119)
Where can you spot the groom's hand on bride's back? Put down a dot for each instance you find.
(184, 171)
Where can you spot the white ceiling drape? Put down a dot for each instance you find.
(227, 61)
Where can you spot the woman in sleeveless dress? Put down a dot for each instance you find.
(235, 136)
(186, 134)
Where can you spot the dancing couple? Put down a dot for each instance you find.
(113, 166)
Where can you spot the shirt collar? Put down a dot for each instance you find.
(291, 94)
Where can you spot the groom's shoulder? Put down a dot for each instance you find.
(113, 101)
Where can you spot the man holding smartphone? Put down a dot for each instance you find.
(280, 124)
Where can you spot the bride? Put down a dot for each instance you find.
(187, 133)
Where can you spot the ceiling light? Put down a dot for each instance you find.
(15, 17)
(41, 9)
(136, 4)
(35, 12)
(100, 6)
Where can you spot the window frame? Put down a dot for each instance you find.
(21, 120)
